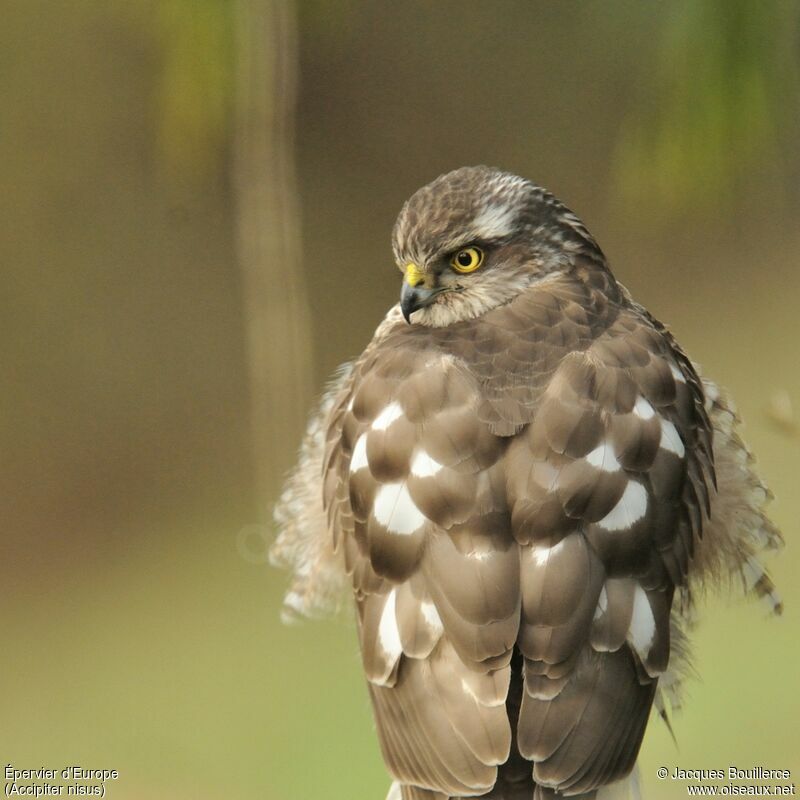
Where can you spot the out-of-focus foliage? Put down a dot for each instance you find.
(193, 96)
(195, 93)
(325, 19)
(727, 84)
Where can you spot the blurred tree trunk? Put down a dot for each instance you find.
(277, 316)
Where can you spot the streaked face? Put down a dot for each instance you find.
(465, 245)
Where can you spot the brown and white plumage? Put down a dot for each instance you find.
(525, 485)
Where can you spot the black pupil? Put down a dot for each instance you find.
(465, 258)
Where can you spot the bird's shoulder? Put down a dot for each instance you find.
(583, 331)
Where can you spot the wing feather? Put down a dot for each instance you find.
(598, 587)
(435, 572)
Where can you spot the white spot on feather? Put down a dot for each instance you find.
(389, 414)
(359, 458)
(642, 630)
(643, 409)
(631, 507)
(494, 222)
(423, 466)
(603, 458)
(602, 603)
(677, 374)
(388, 632)
(671, 440)
(395, 509)
(431, 616)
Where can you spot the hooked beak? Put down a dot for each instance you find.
(415, 294)
(413, 298)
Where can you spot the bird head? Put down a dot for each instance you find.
(475, 238)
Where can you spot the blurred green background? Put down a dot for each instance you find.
(140, 623)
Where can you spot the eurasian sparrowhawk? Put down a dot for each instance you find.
(523, 478)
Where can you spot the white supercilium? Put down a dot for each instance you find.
(495, 221)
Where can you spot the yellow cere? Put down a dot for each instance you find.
(414, 275)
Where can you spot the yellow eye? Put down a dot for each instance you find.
(467, 260)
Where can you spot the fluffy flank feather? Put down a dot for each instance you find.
(303, 545)
(728, 556)
(739, 531)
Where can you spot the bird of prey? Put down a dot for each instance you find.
(524, 481)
